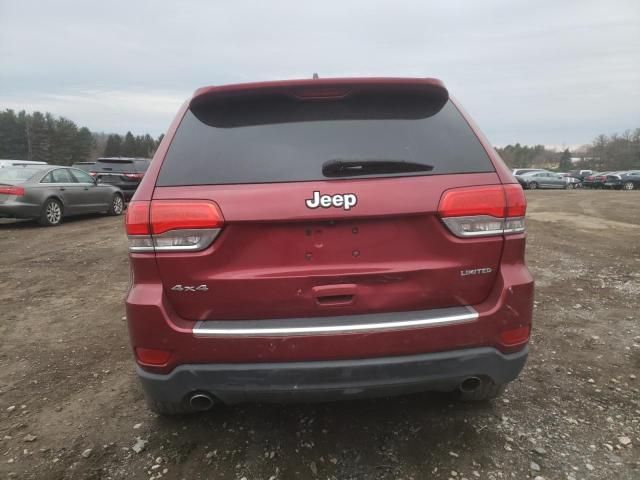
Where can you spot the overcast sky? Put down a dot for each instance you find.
(543, 71)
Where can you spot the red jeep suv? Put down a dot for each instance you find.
(326, 239)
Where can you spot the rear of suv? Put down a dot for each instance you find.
(123, 172)
(326, 239)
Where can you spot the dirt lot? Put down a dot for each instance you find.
(70, 406)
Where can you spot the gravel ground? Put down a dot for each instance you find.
(70, 406)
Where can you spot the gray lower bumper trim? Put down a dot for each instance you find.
(337, 324)
(332, 380)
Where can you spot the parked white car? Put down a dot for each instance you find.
(572, 182)
(18, 163)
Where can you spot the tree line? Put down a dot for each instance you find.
(605, 153)
(58, 140)
(129, 146)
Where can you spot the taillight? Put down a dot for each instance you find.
(152, 356)
(17, 191)
(172, 225)
(483, 211)
(138, 229)
(136, 220)
(136, 176)
(514, 339)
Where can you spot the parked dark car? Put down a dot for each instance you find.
(580, 174)
(595, 180)
(326, 239)
(124, 173)
(629, 180)
(48, 193)
(543, 179)
(85, 166)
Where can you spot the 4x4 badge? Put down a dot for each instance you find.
(190, 288)
(344, 200)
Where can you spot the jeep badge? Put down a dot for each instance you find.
(346, 201)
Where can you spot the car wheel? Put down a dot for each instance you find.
(117, 205)
(629, 186)
(533, 185)
(51, 213)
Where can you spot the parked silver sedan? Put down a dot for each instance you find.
(48, 193)
(541, 179)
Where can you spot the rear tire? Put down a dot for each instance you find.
(51, 215)
(485, 392)
(629, 186)
(117, 205)
(533, 186)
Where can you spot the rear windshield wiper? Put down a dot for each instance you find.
(353, 168)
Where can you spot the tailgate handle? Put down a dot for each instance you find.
(341, 294)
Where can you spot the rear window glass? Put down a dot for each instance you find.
(286, 140)
(81, 176)
(136, 165)
(60, 175)
(108, 165)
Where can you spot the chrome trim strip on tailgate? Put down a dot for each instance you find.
(338, 324)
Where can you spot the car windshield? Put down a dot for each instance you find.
(18, 174)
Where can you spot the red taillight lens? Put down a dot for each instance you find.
(515, 337)
(483, 211)
(17, 191)
(466, 202)
(169, 215)
(136, 219)
(516, 201)
(172, 225)
(137, 176)
(152, 356)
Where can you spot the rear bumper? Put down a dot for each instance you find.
(153, 324)
(333, 380)
(128, 194)
(127, 188)
(13, 209)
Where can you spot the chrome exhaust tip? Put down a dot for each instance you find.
(200, 402)
(470, 384)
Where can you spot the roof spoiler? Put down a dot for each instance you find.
(326, 89)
